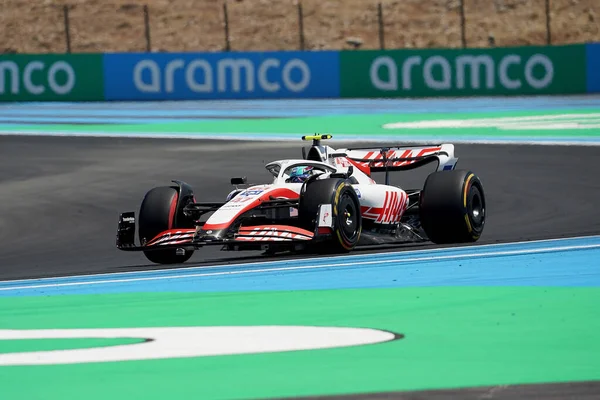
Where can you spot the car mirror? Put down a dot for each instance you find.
(239, 180)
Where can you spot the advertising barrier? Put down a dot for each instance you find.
(593, 67)
(186, 76)
(532, 70)
(463, 72)
(51, 77)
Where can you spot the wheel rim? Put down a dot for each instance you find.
(348, 217)
(476, 208)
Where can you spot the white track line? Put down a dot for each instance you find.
(306, 267)
(351, 256)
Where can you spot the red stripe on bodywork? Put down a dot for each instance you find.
(284, 193)
(215, 227)
(393, 207)
(276, 228)
(370, 212)
(172, 210)
(386, 205)
(396, 208)
(364, 167)
(324, 230)
(401, 206)
(273, 233)
(173, 232)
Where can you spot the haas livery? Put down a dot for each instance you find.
(328, 200)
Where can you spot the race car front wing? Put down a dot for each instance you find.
(262, 236)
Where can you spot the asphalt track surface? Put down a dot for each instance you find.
(60, 200)
(557, 391)
(61, 197)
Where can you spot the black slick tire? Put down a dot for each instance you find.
(452, 207)
(347, 220)
(158, 214)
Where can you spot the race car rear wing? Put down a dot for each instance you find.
(400, 158)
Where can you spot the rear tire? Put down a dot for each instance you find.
(347, 220)
(452, 207)
(158, 214)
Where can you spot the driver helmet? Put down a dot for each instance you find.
(299, 174)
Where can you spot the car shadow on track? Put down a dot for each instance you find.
(260, 257)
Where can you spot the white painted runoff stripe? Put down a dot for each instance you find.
(309, 267)
(542, 122)
(475, 248)
(183, 342)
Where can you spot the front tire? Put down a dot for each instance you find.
(452, 207)
(158, 214)
(347, 220)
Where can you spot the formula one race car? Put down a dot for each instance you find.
(326, 201)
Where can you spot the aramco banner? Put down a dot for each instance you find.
(252, 75)
(463, 72)
(531, 70)
(51, 77)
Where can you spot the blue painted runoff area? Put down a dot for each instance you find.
(571, 262)
(175, 111)
(91, 120)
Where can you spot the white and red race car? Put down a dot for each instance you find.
(334, 205)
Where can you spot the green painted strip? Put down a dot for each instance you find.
(16, 346)
(455, 337)
(551, 124)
